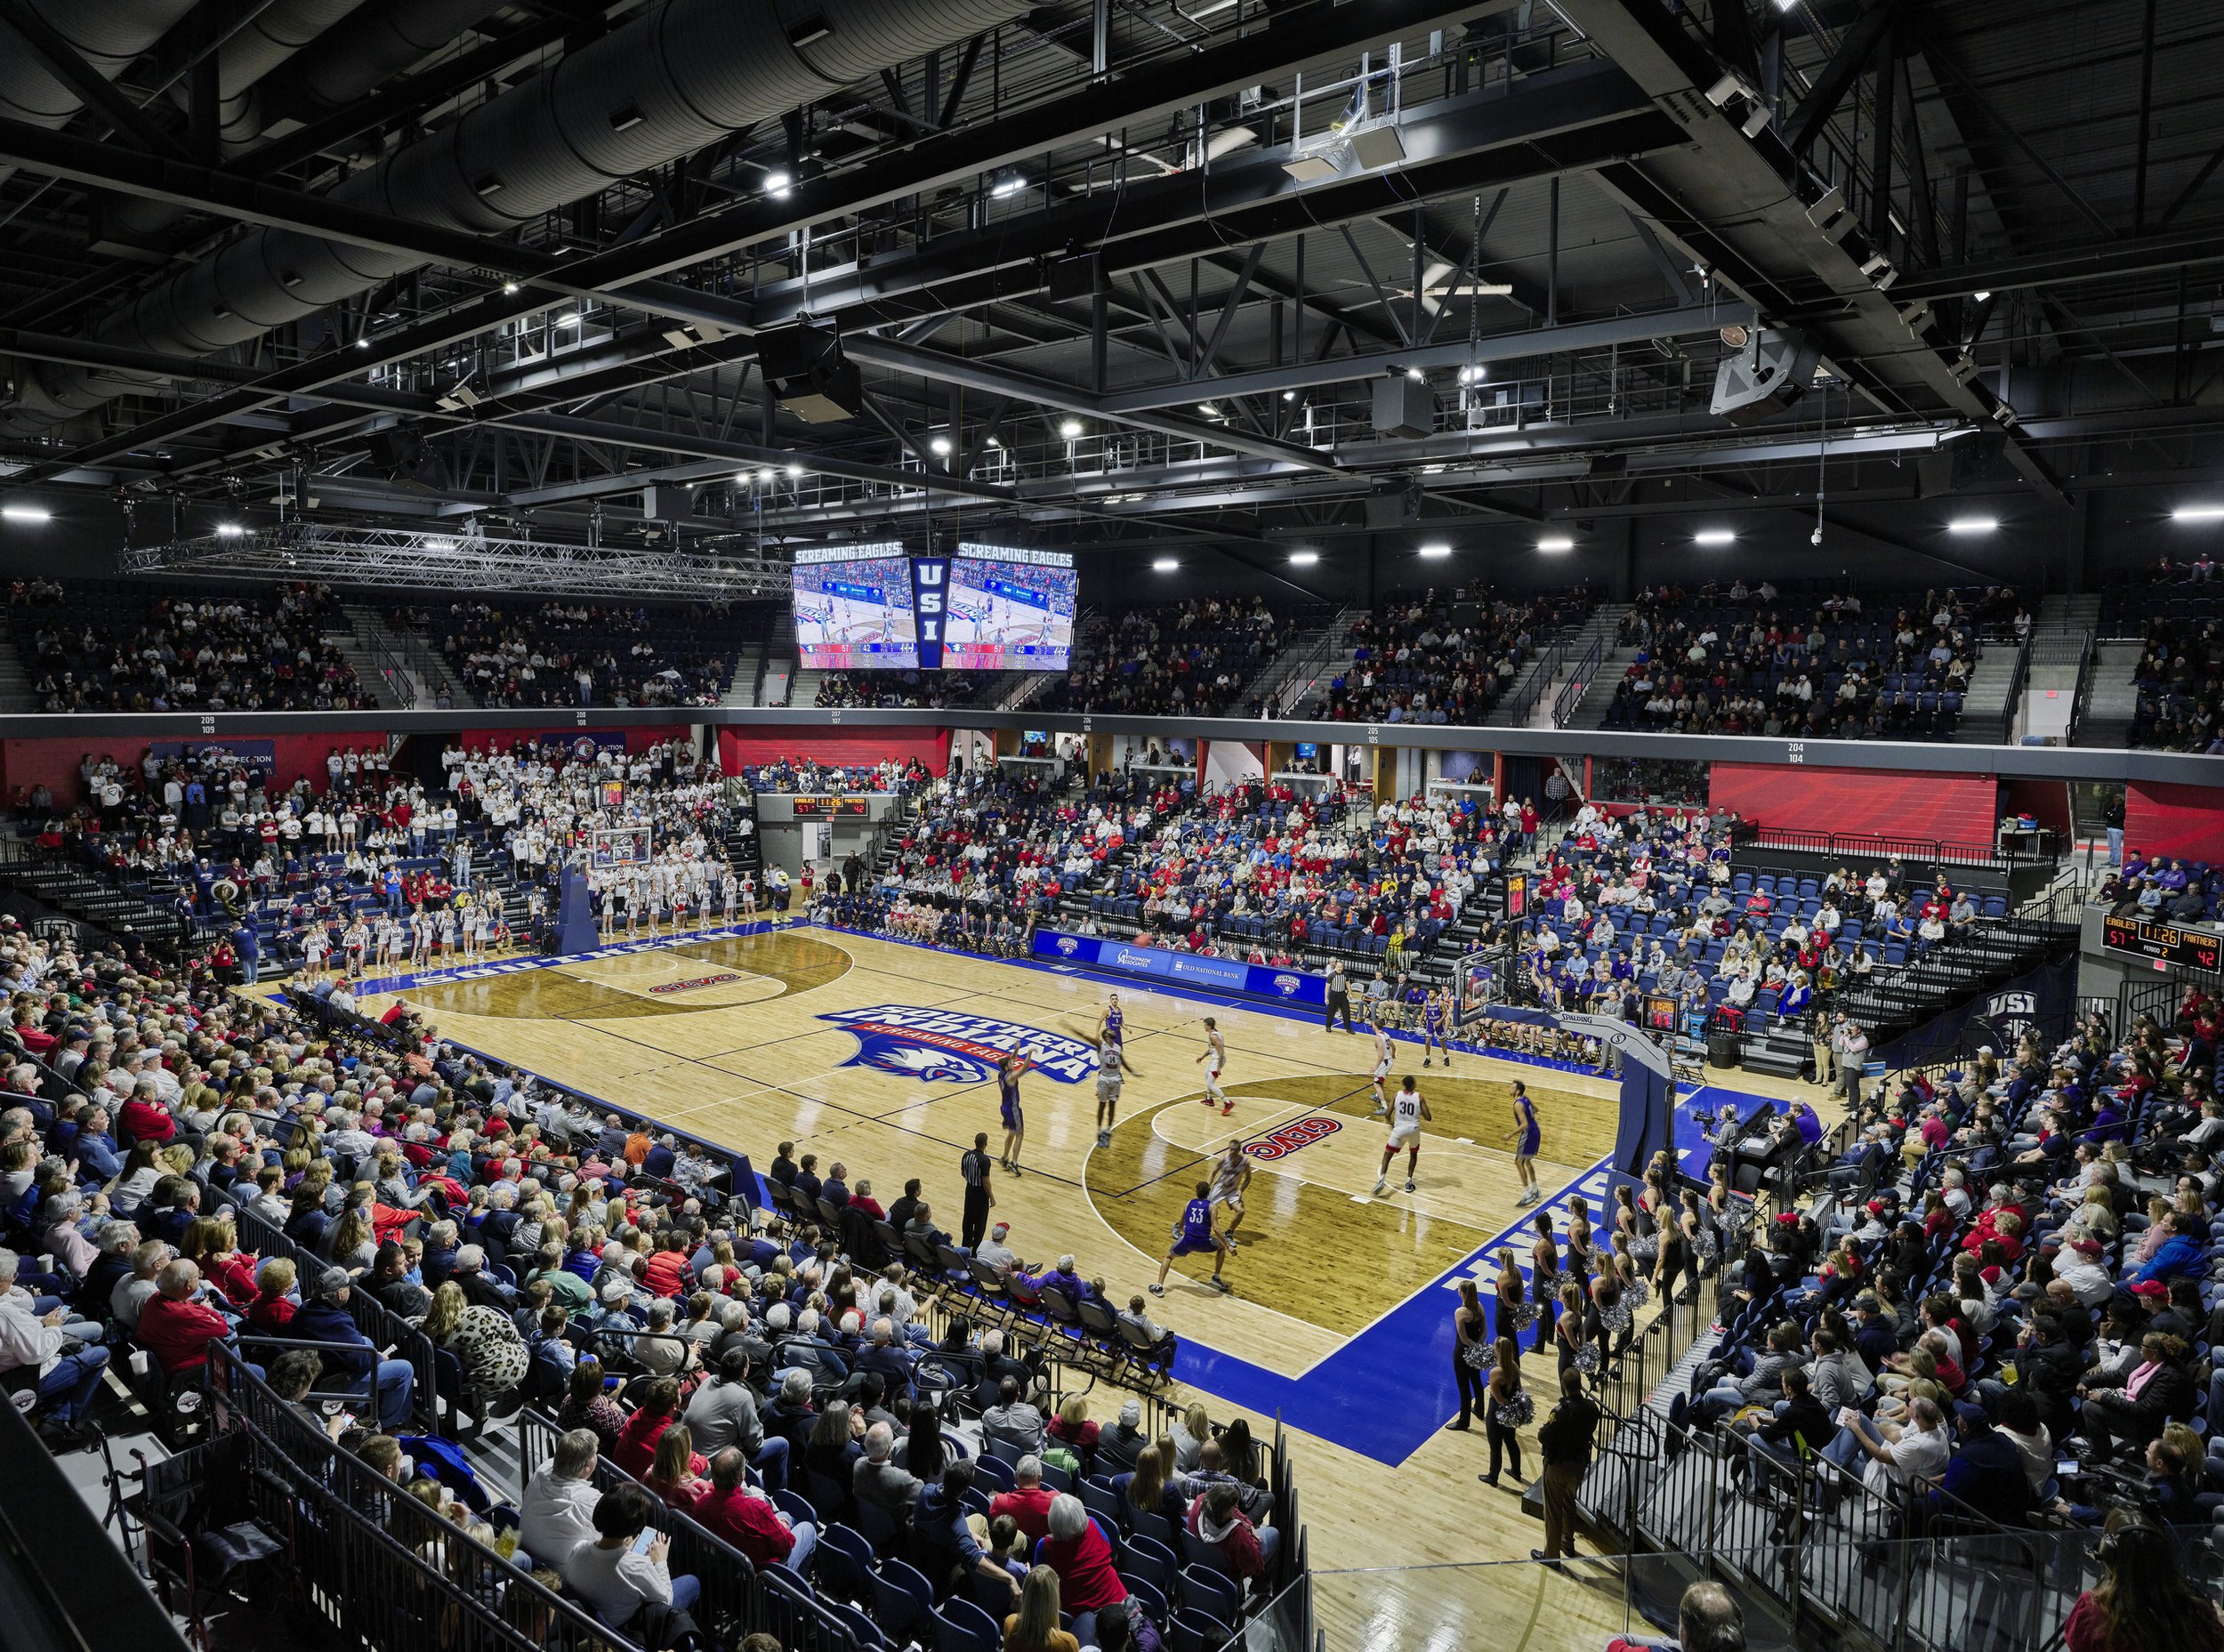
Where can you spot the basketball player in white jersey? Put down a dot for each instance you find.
(1406, 1116)
(1231, 1179)
(1382, 1068)
(1216, 1057)
(1112, 1071)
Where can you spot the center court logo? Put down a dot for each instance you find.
(945, 1046)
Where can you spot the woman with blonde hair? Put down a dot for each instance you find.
(671, 1471)
(212, 1244)
(1189, 1435)
(486, 1344)
(1033, 1627)
(1151, 1489)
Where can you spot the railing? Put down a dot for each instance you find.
(1571, 694)
(384, 1329)
(1871, 847)
(2016, 682)
(1306, 673)
(390, 669)
(381, 1564)
(2081, 697)
(1515, 711)
(1823, 1547)
(733, 1600)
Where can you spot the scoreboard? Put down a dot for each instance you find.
(2163, 944)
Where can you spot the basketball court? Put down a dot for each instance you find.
(880, 1054)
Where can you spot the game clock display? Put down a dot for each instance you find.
(2164, 943)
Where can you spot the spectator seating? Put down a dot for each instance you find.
(135, 645)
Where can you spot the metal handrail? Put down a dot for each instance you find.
(1516, 712)
(2081, 696)
(1571, 693)
(2017, 681)
(442, 1557)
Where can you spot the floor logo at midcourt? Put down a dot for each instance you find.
(942, 1046)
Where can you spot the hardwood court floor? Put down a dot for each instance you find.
(753, 1061)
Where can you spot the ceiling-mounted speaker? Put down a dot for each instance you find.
(1393, 501)
(1072, 279)
(397, 450)
(1768, 376)
(1404, 407)
(665, 502)
(810, 375)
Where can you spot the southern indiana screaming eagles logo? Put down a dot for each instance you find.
(944, 1046)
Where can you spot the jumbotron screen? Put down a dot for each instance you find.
(853, 609)
(1010, 610)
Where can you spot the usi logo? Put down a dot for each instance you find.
(930, 598)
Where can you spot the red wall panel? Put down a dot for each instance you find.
(1954, 808)
(2183, 822)
(737, 748)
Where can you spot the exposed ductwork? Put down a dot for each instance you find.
(377, 43)
(364, 52)
(674, 80)
(276, 33)
(107, 37)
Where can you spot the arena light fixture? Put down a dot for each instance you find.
(1436, 552)
(1303, 558)
(569, 319)
(1416, 376)
(2198, 513)
(1209, 410)
(1981, 297)
(765, 478)
(229, 530)
(1070, 429)
(939, 446)
(1714, 537)
(794, 472)
(27, 513)
(777, 184)
(1556, 543)
(1164, 565)
(509, 289)
(1972, 525)
(1007, 186)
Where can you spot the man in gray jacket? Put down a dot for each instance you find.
(878, 1481)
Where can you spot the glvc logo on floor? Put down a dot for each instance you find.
(944, 1046)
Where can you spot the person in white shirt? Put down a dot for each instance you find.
(557, 1512)
(1911, 1453)
(623, 1568)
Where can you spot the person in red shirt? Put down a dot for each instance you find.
(1028, 1502)
(175, 1326)
(1216, 1518)
(667, 1273)
(636, 1445)
(1077, 1552)
(747, 1519)
(143, 1120)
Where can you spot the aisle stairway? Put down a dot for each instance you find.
(399, 692)
(2114, 701)
(15, 679)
